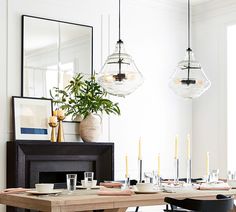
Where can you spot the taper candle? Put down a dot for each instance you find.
(159, 165)
(140, 149)
(188, 147)
(207, 163)
(176, 147)
(126, 166)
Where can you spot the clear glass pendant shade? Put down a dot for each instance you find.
(189, 79)
(119, 75)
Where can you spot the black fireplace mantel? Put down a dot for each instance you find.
(26, 160)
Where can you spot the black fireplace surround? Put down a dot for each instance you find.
(30, 162)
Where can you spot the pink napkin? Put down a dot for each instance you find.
(13, 190)
(214, 186)
(111, 185)
(115, 192)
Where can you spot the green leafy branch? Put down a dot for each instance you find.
(82, 97)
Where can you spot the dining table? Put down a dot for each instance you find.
(89, 200)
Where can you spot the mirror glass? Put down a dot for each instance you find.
(52, 52)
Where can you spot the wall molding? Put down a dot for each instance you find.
(166, 5)
(213, 9)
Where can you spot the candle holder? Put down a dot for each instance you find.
(189, 171)
(53, 132)
(207, 178)
(140, 171)
(127, 182)
(176, 180)
(159, 181)
(60, 135)
(157, 178)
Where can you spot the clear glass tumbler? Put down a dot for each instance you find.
(71, 180)
(214, 175)
(148, 177)
(88, 179)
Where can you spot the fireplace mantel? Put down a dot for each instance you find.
(28, 160)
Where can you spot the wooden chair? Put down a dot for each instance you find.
(220, 204)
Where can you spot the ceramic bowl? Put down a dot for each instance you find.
(44, 187)
(93, 184)
(144, 187)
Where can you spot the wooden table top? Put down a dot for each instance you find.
(83, 200)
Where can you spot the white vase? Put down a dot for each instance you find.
(90, 128)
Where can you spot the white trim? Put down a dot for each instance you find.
(167, 5)
(213, 9)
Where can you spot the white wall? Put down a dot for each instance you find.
(155, 34)
(210, 111)
(153, 112)
(3, 95)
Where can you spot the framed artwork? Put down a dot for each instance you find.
(30, 118)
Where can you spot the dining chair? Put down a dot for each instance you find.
(220, 204)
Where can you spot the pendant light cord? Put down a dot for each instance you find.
(189, 26)
(119, 42)
(119, 21)
(189, 43)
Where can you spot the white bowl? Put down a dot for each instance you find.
(44, 187)
(144, 187)
(93, 184)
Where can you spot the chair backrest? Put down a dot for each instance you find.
(221, 204)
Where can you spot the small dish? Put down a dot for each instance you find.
(55, 191)
(82, 187)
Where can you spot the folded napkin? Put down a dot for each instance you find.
(232, 183)
(214, 186)
(171, 188)
(112, 192)
(13, 190)
(111, 184)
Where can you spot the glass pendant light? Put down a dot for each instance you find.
(119, 75)
(189, 79)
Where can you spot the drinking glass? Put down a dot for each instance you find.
(214, 175)
(88, 179)
(148, 177)
(230, 175)
(156, 179)
(71, 180)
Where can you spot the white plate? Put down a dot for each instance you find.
(81, 187)
(146, 192)
(55, 191)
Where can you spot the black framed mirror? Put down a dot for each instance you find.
(52, 52)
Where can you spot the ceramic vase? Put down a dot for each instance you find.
(90, 128)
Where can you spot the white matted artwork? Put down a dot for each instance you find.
(30, 118)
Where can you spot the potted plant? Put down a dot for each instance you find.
(87, 99)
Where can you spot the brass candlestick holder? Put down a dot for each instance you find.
(53, 132)
(60, 134)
